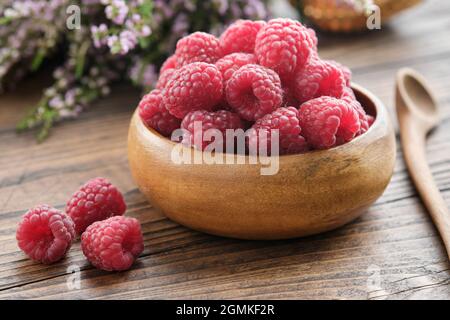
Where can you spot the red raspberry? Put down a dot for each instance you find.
(164, 77)
(96, 200)
(289, 98)
(45, 234)
(170, 63)
(198, 47)
(318, 78)
(349, 97)
(113, 244)
(240, 36)
(345, 71)
(370, 120)
(286, 121)
(195, 86)
(154, 115)
(254, 91)
(284, 45)
(328, 122)
(220, 120)
(313, 37)
(232, 62)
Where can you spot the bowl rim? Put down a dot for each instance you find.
(380, 109)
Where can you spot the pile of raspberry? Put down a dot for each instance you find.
(257, 76)
(109, 240)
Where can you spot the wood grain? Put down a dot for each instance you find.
(391, 252)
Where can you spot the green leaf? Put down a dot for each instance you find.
(31, 118)
(144, 42)
(38, 58)
(5, 20)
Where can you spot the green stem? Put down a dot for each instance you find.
(49, 117)
(81, 58)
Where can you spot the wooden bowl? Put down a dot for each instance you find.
(311, 193)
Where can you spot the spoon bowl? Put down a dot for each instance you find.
(415, 97)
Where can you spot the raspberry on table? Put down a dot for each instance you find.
(240, 36)
(195, 86)
(155, 115)
(284, 45)
(170, 63)
(328, 122)
(232, 62)
(164, 77)
(254, 91)
(45, 234)
(219, 120)
(349, 96)
(285, 120)
(198, 47)
(96, 200)
(318, 78)
(113, 244)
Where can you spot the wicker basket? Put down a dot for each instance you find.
(331, 16)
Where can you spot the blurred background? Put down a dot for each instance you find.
(80, 48)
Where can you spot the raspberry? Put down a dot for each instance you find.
(328, 122)
(347, 73)
(364, 120)
(220, 120)
(289, 98)
(198, 47)
(240, 36)
(223, 105)
(195, 86)
(96, 200)
(153, 113)
(318, 78)
(232, 62)
(45, 234)
(170, 63)
(349, 97)
(313, 36)
(164, 77)
(254, 91)
(286, 121)
(113, 244)
(284, 45)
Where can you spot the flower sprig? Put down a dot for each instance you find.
(117, 40)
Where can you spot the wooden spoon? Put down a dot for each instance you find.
(418, 114)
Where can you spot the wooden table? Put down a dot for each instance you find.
(393, 251)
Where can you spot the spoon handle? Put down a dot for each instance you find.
(413, 142)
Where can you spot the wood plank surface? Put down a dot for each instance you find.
(391, 252)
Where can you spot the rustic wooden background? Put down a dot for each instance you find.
(393, 251)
